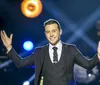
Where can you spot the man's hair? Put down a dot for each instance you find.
(52, 21)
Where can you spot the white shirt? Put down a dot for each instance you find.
(59, 50)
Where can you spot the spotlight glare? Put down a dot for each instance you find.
(26, 83)
(31, 8)
(89, 75)
(28, 45)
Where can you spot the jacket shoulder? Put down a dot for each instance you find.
(41, 47)
(69, 45)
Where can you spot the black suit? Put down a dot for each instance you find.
(70, 52)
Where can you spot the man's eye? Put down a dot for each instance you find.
(54, 30)
(47, 31)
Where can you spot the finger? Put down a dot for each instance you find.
(11, 36)
(2, 36)
(3, 40)
(4, 33)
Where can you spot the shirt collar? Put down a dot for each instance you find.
(58, 45)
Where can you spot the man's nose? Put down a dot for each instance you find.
(51, 34)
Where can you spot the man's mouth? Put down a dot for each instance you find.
(52, 38)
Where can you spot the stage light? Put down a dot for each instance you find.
(31, 8)
(89, 75)
(26, 83)
(28, 45)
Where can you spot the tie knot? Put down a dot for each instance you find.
(55, 48)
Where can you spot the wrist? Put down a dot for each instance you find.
(9, 47)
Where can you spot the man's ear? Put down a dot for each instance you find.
(60, 31)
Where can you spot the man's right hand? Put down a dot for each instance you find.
(6, 40)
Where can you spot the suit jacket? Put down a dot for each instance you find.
(70, 53)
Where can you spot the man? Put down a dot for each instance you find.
(55, 61)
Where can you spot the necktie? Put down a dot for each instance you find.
(55, 55)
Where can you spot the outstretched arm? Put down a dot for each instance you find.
(83, 61)
(11, 53)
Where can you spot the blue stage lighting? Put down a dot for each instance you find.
(26, 83)
(28, 45)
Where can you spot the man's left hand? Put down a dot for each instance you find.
(98, 50)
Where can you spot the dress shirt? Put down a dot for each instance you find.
(59, 50)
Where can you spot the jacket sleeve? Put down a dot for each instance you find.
(83, 61)
(22, 62)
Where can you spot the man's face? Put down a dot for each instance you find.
(52, 33)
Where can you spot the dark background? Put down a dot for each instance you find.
(78, 19)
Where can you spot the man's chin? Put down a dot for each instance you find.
(53, 43)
